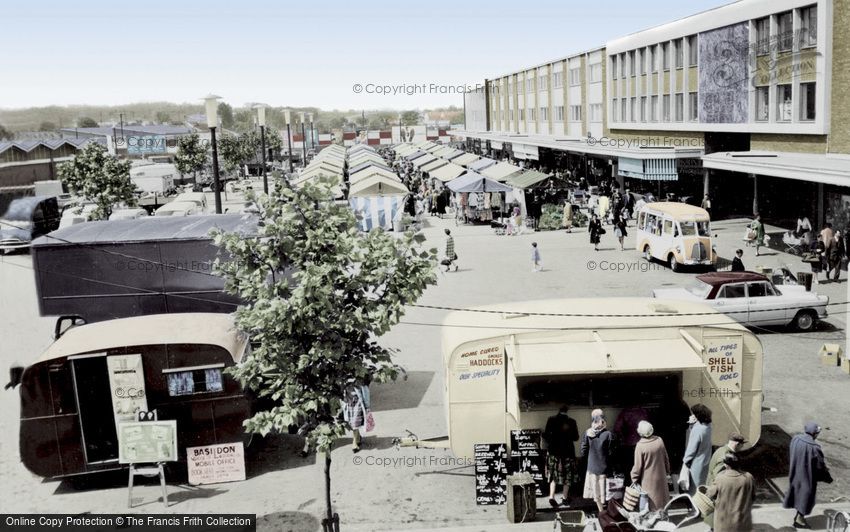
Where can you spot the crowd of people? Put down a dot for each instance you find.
(650, 459)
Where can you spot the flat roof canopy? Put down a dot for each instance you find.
(633, 356)
(816, 168)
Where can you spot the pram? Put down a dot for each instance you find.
(498, 227)
(678, 513)
(793, 245)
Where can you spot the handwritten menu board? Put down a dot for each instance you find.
(526, 456)
(491, 473)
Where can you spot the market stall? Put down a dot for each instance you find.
(447, 172)
(378, 202)
(500, 171)
(465, 159)
(477, 196)
(482, 163)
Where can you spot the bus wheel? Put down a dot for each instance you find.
(805, 320)
(674, 265)
(647, 254)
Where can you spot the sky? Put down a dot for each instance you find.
(333, 54)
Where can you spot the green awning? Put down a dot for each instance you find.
(527, 179)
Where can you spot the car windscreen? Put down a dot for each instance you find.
(699, 289)
(692, 228)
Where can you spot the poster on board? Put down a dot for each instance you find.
(212, 464)
(147, 442)
(127, 384)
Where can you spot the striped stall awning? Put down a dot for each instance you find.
(648, 169)
(377, 211)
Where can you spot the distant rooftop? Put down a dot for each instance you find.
(28, 145)
(108, 131)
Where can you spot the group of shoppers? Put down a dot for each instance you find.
(720, 471)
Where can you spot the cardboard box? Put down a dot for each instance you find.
(845, 365)
(830, 354)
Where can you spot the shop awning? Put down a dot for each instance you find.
(475, 182)
(415, 155)
(435, 147)
(635, 356)
(433, 165)
(356, 167)
(648, 169)
(527, 179)
(443, 151)
(500, 171)
(816, 168)
(377, 185)
(405, 149)
(447, 172)
(465, 159)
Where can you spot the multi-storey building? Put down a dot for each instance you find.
(748, 102)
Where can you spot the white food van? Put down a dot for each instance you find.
(676, 234)
(511, 368)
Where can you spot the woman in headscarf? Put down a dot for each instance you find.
(698, 451)
(651, 467)
(596, 444)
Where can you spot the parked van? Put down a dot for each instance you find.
(198, 198)
(73, 215)
(675, 233)
(95, 376)
(523, 360)
(27, 219)
(179, 208)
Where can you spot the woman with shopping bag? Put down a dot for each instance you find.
(652, 465)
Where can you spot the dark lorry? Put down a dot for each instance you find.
(122, 268)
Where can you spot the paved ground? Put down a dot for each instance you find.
(377, 491)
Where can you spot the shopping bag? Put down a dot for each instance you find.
(684, 479)
(370, 421)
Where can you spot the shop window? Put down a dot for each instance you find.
(194, 381)
(783, 103)
(762, 104)
(808, 26)
(807, 101)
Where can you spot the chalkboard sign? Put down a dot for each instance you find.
(491, 473)
(526, 456)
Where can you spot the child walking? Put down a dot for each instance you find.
(535, 257)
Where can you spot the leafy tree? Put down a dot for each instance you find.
(318, 293)
(85, 121)
(98, 177)
(410, 118)
(47, 126)
(5, 134)
(191, 155)
(225, 113)
(162, 117)
(232, 151)
(336, 123)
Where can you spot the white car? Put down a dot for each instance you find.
(179, 208)
(753, 300)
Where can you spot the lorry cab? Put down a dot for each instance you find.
(524, 360)
(676, 234)
(27, 219)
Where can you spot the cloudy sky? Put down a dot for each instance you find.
(330, 54)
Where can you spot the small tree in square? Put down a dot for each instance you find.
(96, 176)
(317, 294)
(191, 155)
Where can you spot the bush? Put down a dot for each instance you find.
(551, 218)
(579, 218)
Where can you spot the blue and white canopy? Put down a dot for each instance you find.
(377, 211)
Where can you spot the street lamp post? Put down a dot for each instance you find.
(211, 103)
(303, 141)
(312, 138)
(261, 121)
(287, 117)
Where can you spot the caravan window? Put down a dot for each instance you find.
(189, 381)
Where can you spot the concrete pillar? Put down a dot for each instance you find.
(819, 208)
(705, 178)
(621, 180)
(755, 193)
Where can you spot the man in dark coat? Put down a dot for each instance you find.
(733, 492)
(560, 434)
(737, 263)
(807, 468)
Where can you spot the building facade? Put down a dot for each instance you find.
(748, 102)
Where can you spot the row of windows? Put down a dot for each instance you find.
(646, 109)
(541, 83)
(652, 58)
(784, 38)
(575, 113)
(784, 110)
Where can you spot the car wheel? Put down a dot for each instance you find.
(647, 254)
(805, 320)
(674, 265)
